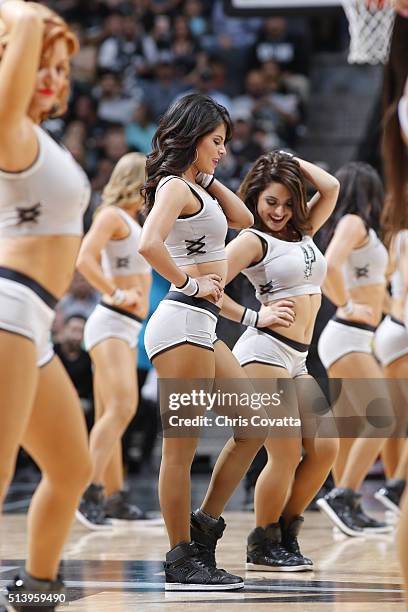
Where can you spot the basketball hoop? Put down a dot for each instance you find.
(370, 27)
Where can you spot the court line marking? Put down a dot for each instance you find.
(134, 585)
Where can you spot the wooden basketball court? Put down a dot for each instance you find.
(121, 570)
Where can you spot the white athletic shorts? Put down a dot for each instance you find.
(390, 341)
(108, 321)
(180, 319)
(270, 348)
(27, 309)
(341, 337)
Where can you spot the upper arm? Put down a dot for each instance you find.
(104, 226)
(321, 207)
(19, 66)
(242, 252)
(170, 201)
(349, 233)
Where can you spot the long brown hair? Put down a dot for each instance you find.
(395, 155)
(184, 123)
(276, 167)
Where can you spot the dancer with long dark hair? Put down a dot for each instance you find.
(183, 238)
(356, 283)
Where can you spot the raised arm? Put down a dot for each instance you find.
(324, 201)
(18, 72)
(171, 199)
(238, 215)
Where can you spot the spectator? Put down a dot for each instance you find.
(113, 106)
(184, 46)
(110, 52)
(75, 360)
(161, 92)
(274, 42)
(140, 131)
(243, 146)
(194, 9)
(84, 64)
(80, 299)
(205, 84)
(114, 145)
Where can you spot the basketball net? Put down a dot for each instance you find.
(370, 27)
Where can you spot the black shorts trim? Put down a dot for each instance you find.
(178, 296)
(173, 346)
(29, 282)
(121, 311)
(298, 346)
(259, 362)
(365, 326)
(397, 321)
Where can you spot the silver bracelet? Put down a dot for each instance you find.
(250, 318)
(118, 297)
(190, 287)
(205, 180)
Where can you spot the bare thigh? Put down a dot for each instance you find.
(18, 382)
(367, 391)
(115, 380)
(56, 435)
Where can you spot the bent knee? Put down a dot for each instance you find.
(325, 450)
(73, 472)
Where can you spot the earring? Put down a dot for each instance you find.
(196, 157)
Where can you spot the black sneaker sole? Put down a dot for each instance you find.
(328, 510)
(179, 586)
(257, 567)
(92, 526)
(387, 503)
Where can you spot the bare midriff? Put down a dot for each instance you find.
(306, 308)
(397, 308)
(49, 260)
(209, 267)
(133, 281)
(371, 295)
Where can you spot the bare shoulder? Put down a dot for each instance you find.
(247, 242)
(352, 225)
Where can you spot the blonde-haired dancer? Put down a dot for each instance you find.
(110, 261)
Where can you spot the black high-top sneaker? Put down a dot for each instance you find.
(91, 511)
(390, 494)
(120, 512)
(366, 522)
(265, 552)
(339, 505)
(290, 542)
(186, 570)
(205, 532)
(27, 589)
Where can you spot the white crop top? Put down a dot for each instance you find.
(397, 280)
(288, 269)
(49, 198)
(366, 265)
(121, 257)
(200, 237)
